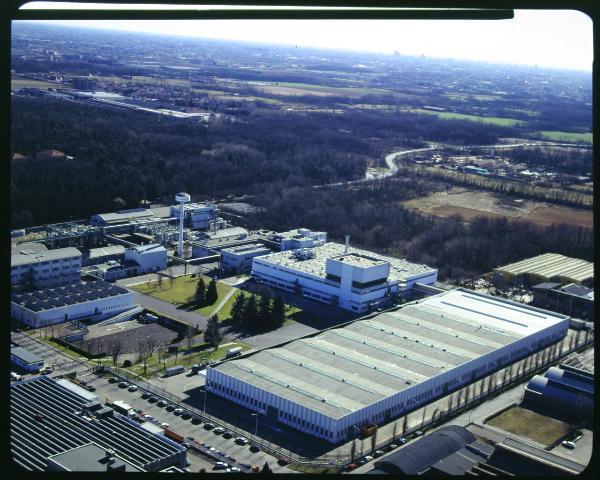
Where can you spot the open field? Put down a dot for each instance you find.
(16, 83)
(530, 424)
(181, 292)
(568, 136)
(289, 88)
(472, 118)
(474, 203)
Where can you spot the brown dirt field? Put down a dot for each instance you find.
(467, 214)
(555, 214)
(530, 424)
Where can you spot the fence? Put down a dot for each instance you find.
(458, 402)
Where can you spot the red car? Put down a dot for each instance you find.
(351, 466)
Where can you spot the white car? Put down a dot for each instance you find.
(178, 411)
(567, 444)
(164, 425)
(132, 388)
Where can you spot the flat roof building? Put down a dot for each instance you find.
(548, 267)
(47, 420)
(35, 264)
(239, 259)
(198, 215)
(150, 258)
(95, 256)
(353, 279)
(121, 217)
(90, 457)
(299, 238)
(379, 368)
(25, 359)
(94, 299)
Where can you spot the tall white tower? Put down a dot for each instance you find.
(182, 198)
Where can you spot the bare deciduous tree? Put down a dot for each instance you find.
(115, 350)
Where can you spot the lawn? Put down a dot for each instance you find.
(182, 290)
(530, 424)
(567, 136)
(225, 312)
(506, 122)
(16, 83)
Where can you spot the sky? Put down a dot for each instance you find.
(560, 39)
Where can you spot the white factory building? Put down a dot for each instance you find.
(332, 383)
(33, 262)
(150, 258)
(198, 215)
(94, 300)
(239, 259)
(299, 238)
(354, 279)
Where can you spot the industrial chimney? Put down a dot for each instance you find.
(347, 244)
(181, 198)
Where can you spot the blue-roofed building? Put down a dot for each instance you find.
(564, 391)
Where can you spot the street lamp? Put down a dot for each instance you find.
(256, 423)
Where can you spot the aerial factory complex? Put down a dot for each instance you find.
(375, 369)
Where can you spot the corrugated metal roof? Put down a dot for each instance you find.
(550, 265)
(25, 355)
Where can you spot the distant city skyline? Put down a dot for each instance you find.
(561, 39)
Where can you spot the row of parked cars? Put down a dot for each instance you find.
(378, 453)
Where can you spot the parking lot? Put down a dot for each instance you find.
(183, 426)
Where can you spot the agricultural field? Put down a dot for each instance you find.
(506, 122)
(474, 203)
(568, 136)
(527, 423)
(18, 83)
(299, 89)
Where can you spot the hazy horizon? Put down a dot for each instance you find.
(560, 40)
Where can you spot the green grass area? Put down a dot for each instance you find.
(506, 122)
(567, 136)
(181, 292)
(197, 354)
(291, 314)
(486, 97)
(527, 423)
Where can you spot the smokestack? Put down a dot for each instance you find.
(347, 244)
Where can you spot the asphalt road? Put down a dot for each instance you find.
(160, 306)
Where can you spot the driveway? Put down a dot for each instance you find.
(160, 306)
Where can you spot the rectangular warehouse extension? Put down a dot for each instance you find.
(353, 279)
(47, 419)
(549, 267)
(376, 369)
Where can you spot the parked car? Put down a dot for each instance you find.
(361, 461)
(91, 388)
(186, 415)
(568, 444)
(254, 448)
(132, 388)
(164, 425)
(123, 384)
(161, 403)
(418, 433)
(231, 458)
(241, 441)
(113, 380)
(186, 444)
(196, 420)
(153, 399)
(218, 430)
(209, 426)
(147, 417)
(170, 408)
(145, 395)
(392, 446)
(45, 371)
(350, 467)
(138, 410)
(227, 435)
(282, 461)
(401, 440)
(220, 466)
(368, 458)
(178, 411)
(378, 453)
(235, 470)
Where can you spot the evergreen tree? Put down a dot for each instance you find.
(264, 310)
(251, 311)
(213, 334)
(200, 295)
(278, 311)
(266, 468)
(211, 293)
(237, 309)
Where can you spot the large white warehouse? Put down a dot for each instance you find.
(95, 300)
(374, 370)
(354, 279)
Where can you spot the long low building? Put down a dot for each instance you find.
(379, 368)
(95, 300)
(51, 424)
(353, 279)
(549, 267)
(32, 263)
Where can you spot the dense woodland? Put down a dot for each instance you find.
(120, 153)
(375, 219)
